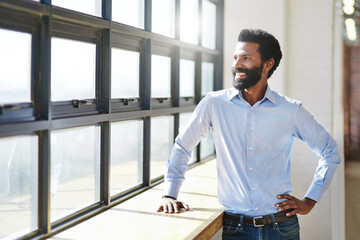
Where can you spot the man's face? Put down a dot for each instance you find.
(247, 67)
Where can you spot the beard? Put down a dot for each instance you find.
(253, 76)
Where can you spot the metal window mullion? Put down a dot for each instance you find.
(147, 152)
(175, 77)
(177, 19)
(105, 162)
(200, 23)
(198, 66)
(145, 83)
(43, 109)
(147, 18)
(218, 84)
(106, 10)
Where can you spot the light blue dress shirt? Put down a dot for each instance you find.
(253, 149)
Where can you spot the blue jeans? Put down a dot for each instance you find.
(289, 230)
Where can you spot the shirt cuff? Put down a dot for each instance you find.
(172, 189)
(315, 192)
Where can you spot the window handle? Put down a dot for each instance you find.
(161, 100)
(77, 103)
(126, 101)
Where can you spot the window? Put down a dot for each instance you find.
(92, 96)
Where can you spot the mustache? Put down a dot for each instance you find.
(235, 70)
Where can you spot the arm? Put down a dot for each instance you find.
(197, 127)
(307, 129)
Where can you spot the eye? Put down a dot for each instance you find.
(247, 58)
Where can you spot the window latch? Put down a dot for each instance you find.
(77, 103)
(9, 107)
(126, 101)
(187, 98)
(161, 100)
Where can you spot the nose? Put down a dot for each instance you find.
(237, 63)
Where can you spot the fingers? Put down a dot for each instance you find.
(291, 213)
(160, 209)
(170, 208)
(186, 207)
(285, 196)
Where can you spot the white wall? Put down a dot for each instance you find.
(310, 35)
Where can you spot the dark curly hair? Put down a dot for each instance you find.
(269, 46)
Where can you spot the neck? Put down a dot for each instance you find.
(255, 93)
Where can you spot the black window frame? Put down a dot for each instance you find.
(43, 116)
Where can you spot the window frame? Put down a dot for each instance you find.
(45, 21)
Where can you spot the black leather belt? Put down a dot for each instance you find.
(262, 220)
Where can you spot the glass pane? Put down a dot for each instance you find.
(183, 119)
(75, 169)
(160, 76)
(92, 7)
(163, 17)
(207, 146)
(15, 67)
(124, 73)
(207, 77)
(126, 155)
(208, 24)
(187, 78)
(72, 69)
(18, 185)
(128, 12)
(162, 140)
(189, 19)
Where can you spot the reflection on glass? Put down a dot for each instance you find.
(126, 155)
(187, 78)
(72, 69)
(92, 7)
(128, 12)
(162, 140)
(207, 146)
(207, 77)
(160, 76)
(18, 185)
(183, 119)
(75, 170)
(208, 24)
(163, 17)
(189, 21)
(15, 67)
(124, 73)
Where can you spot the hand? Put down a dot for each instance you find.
(171, 205)
(303, 206)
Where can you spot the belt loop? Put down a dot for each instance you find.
(241, 222)
(274, 223)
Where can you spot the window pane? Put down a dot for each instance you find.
(208, 24)
(183, 119)
(207, 77)
(189, 21)
(207, 146)
(126, 155)
(128, 12)
(187, 78)
(162, 140)
(124, 73)
(72, 69)
(18, 184)
(160, 76)
(92, 7)
(75, 169)
(15, 67)
(163, 17)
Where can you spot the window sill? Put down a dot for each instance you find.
(137, 218)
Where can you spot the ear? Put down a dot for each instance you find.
(269, 64)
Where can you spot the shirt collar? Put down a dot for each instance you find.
(268, 94)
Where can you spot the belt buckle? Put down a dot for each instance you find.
(254, 222)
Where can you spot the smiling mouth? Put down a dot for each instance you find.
(240, 75)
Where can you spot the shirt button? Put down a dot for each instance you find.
(256, 208)
(253, 189)
(250, 148)
(252, 108)
(251, 169)
(251, 128)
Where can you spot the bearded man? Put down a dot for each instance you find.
(254, 128)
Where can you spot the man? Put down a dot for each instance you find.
(254, 129)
